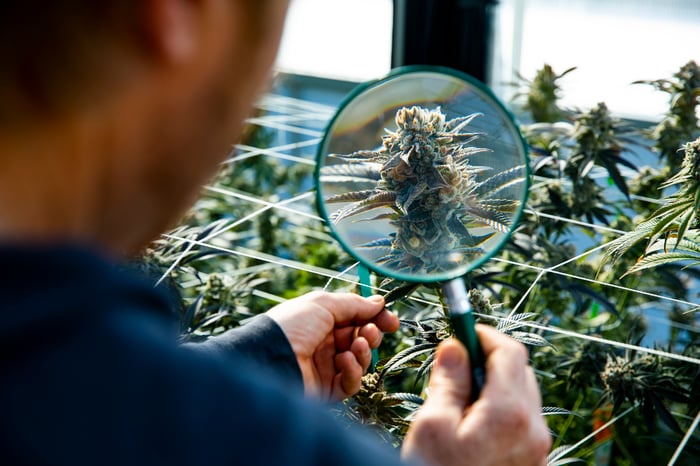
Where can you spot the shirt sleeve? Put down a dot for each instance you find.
(245, 417)
(260, 341)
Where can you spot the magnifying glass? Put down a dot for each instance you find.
(421, 177)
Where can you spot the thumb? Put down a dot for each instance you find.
(450, 381)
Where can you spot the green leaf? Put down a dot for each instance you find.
(515, 321)
(399, 292)
(618, 247)
(402, 357)
(665, 415)
(531, 339)
(655, 260)
(553, 410)
(557, 456)
(617, 177)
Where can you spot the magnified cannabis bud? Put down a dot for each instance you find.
(433, 197)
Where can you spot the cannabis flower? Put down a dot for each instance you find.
(643, 379)
(422, 174)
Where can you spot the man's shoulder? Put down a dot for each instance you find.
(99, 378)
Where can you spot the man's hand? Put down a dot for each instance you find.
(503, 427)
(332, 335)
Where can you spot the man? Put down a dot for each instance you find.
(113, 113)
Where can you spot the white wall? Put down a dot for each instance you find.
(346, 39)
(612, 42)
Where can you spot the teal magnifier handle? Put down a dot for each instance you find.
(462, 320)
(366, 291)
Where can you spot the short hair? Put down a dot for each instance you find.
(56, 53)
(59, 54)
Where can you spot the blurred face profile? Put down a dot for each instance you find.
(131, 104)
(191, 135)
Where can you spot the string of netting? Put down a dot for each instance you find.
(290, 115)
(333, 275)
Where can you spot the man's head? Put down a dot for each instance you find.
(115, 111)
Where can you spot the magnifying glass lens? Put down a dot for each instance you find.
(422, 175)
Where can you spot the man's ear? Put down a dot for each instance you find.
(172, 28)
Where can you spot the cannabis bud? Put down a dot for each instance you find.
(480, 303)
(691, 160)
(622, 378)
(436, 199)
(643, 379)
(215, 290)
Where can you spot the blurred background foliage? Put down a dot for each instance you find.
(614, 208)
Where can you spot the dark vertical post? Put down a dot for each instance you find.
(454, 33)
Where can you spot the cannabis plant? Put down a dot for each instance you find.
(646, 381)
(681, 122)
(387, 413)
(667, 227)
(569, 154)
(542, 94)
(433, 196)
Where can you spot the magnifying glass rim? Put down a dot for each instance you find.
(322, 152)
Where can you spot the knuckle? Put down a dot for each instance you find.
(518, 419)
(511, 418)
(372, 334)
(428, 425)
(363, 365)
(317, 295)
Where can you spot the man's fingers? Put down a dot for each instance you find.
(491, 339)
(508, 395)
(386, 321)
(446, 431)
(450, 385)
(324, 368)
(350, 367)
(506, 361)
(510, 403)
(433, 433)
(348, 308)
(349, 378)
(533, 390)
(345, 336)
(371, 334)
(363, 353)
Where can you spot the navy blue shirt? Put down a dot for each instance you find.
(92, 374)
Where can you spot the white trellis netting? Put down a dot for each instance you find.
(296, 128)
